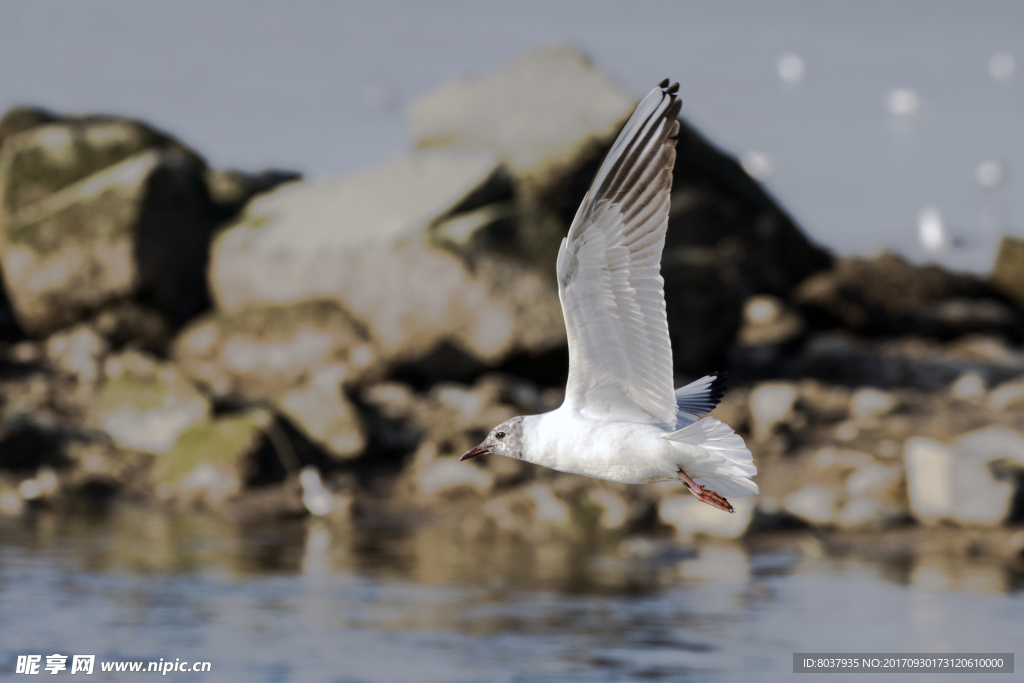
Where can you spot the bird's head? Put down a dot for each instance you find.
(505, 439)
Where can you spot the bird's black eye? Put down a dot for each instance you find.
(500, 435)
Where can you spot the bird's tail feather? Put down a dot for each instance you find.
(728, 466)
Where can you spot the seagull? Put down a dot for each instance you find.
(621, 420)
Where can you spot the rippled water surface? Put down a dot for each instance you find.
(302, 602)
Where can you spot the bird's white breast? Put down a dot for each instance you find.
(627, 452)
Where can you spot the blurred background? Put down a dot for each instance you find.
(268, 270)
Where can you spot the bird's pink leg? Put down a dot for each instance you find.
(705, 495)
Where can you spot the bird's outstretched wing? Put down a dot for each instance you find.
(609, 274)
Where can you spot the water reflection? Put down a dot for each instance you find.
(304, 600)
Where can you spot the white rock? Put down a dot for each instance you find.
(325, 415)
(691, 517)
(770, 405)
(868, 402)
(78, 351)
(814, 504)
(1008, 396)
(846, 459)
(872, 479)
(145, 403)
(614, 510)
(363, 241)
(449, 475)
(549, 508)
(994, 444)
(970, 386)
(862, 512)
(952, 483)
(540, 113)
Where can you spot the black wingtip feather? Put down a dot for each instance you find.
(664, 83)
(673, 89)
(717, 389)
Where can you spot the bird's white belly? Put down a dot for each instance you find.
(625, 452)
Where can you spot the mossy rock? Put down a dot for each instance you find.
(45, 158)
(223, 443)
(261, 352)
(145, 403)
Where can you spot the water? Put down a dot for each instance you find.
(298, 601)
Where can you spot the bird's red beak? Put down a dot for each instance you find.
(475, 451)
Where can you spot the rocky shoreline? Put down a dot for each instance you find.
(257, 345)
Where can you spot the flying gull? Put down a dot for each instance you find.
(621, 420)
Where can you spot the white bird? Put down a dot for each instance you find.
(621, 420)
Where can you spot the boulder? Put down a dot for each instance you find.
(840, 358)
(1008, 396)
(972, 482)
(771, 404)
(815, 504)
(448, 476)
(230, 190)
(1008, 269)
(79, 352)
(552, 117)
(886, 295)
(533, 512)
(690, 517)
(97, 209)
(868, 403)
(549, 115)
(20, 119)
(144, 404)
(260, 352)
(324, 415)
(365, 241)
(212, 460)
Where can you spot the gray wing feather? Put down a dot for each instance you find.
(609, 275)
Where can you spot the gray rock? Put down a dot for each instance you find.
(615, 511)
(324, 414)
(532, 512)
(20, 119)
(1008, 396)
(79, 352)
(818, 505)
(771, 404)
(909, 361)
(360, 242)
(144, 404)
(552, 117)
(261, 352)
(886, 295)
(231, 189)
(768, 320)
(1008, 269)
(546, 115)
(212, 460)
(447, 476)
(99, 209)
(870, 403)
(970, 386)
(690, 517)
(874, 497)
(958, 482)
